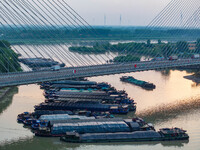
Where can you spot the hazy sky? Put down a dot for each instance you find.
(133, 12)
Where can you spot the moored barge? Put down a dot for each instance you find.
(165, 134)
(86, 105)
(94, 126)
(143, 84)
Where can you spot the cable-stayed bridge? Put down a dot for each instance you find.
(36, 20)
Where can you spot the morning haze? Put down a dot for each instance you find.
(133, 12)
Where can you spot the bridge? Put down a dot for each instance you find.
(35, 20)
(22, 78)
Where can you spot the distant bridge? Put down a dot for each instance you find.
(23, 78)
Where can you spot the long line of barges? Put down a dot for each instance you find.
(80, 111)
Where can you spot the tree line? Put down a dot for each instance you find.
(134, 51)
(8, 58)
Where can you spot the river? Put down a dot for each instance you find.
(174, 103)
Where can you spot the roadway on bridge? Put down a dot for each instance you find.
(22, 78)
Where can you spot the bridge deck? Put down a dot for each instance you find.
(22, 78)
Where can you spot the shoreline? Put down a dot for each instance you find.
(193, 78)
(4, 91)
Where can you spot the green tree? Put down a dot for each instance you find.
(4, 44)
(148, 42)
(127, 58)
(8, 58)
(159, 41)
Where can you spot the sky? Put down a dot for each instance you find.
(133, 12)
(101, 12)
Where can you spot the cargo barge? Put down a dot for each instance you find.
(143, 84)
(88, 92)
(85, 94)
(112, 99)
(71, 82)
(79, 92)
(75, 84)
(60, 86)
(86, 105)
(80, 96)
(127, 101)
(30, 117)
(164, 134)
(46, 118)
(39, 63)
(94, 126)
(36, 115)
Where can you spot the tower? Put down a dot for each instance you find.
(120, 20)
(104, 20)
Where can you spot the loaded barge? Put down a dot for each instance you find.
(143, 84)
(164, 134)
(83, 96)
(127, 101)
(94, 126)
(40, 63)
(76, 84)
(86, 105)
(68, 84)
(42, 117)
(62, 96)
(88, 92)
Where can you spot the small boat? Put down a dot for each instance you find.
(23, 116)
(30, 121)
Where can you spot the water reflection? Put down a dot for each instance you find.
(174, 143)
(6, 101)
(172, 103)
(166, 72)
(55, 144)
(169, 111)
(89, 58)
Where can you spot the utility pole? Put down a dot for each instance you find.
(120, 20)
(181, 20)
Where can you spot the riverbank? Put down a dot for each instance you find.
(193, 78)
(6, 96)
(4, 91)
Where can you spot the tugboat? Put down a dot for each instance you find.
(169, 134)
(143, 84)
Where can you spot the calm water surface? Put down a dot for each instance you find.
(174, 103)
